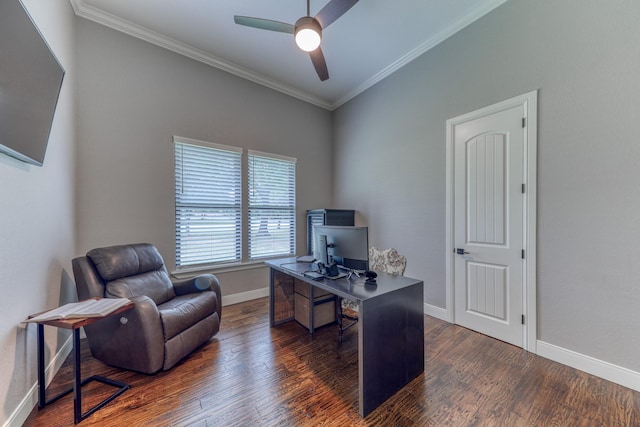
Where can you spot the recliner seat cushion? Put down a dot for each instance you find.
(184, 311)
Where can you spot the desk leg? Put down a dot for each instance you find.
(390, 345)
(312, 309)
(272, 298)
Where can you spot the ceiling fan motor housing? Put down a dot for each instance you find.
(308, 33)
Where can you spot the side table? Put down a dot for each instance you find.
(75, 325)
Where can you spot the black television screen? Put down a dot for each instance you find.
(30, 82)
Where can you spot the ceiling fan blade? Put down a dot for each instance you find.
(264, 24)
(334, 10)
(319, 63)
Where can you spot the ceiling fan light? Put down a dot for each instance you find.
(307, 40)
(308, 34)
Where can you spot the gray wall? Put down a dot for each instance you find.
(37, 226)
(133, 97)
(584, 57)
(388, 157)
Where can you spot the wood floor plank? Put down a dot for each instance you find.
(252, 375)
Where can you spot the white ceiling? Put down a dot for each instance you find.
(369, 42)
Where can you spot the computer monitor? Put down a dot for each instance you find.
(320, 249)
(346, 246)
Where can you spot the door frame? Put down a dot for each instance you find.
(529, 104)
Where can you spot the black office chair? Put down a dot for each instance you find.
(345, 310)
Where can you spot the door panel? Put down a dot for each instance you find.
(488, 224)
(487, 293)
(486, 187)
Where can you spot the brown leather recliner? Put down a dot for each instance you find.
(170, 319)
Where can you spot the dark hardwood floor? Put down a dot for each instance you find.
(252, 375)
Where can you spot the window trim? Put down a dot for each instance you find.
(245, 263)
(271, 156)
(208, 144)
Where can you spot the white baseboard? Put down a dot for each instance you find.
(608, 371)
(244, 296)
(605, 370)
(30, 401)
(435, 311)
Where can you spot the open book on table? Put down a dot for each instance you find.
(78, 310)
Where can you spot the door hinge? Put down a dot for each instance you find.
(522, 254)
(524, 122)
(522, 188)
(523, 319)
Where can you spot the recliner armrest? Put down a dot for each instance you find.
(191, 285)
(202, 282)
(136, 343)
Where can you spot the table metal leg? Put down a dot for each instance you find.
(77, 380)
(42, 386)
(78, 383)
(42, 397)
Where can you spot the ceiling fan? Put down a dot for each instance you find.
(307, 30)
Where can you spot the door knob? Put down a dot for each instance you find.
(461, 251)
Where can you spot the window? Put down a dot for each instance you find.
(208, 188)
(216, 223)
(272, 205)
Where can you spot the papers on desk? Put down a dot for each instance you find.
(305, 258)
(79, 310)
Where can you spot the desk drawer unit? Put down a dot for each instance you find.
(324, 310)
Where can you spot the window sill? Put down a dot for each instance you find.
(185, 273)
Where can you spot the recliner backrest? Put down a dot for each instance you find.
(88, 283)
(133, 270)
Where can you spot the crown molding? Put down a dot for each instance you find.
(93, 14)
(429, 44)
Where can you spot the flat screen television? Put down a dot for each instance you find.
(30, 82)
(343, 245)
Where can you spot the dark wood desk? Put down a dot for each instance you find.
(75, 325)
(391, 325)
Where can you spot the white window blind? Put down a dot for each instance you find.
(208, 188)
(272, 205)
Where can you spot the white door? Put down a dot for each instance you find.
(489, 173)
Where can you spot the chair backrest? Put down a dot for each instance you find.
(124, 271)
(387, 260)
